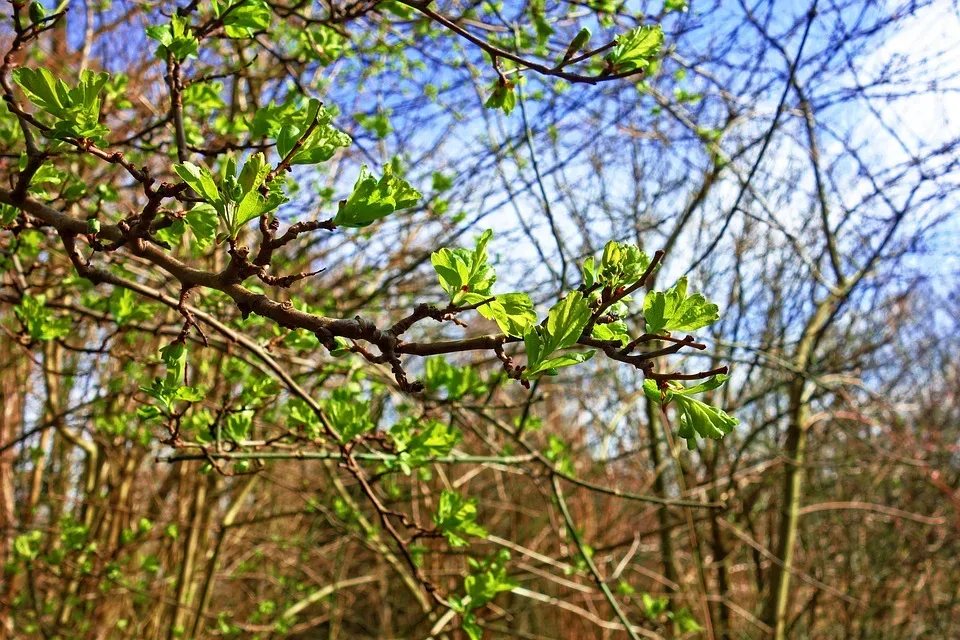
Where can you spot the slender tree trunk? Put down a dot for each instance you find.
(663, 515)
(188, 561)
(775, 612)
(795, 454)
(719, 550)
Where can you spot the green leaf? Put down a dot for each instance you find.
(237, 200)
(533, 343)
(203, 221)
(27, 545)
(653, 607)
(40, 87)
(710, 384)
(77, 110)
(397, 9)
(200, 180)
(348, 413)
(484, 585)
(469, 625)
(175, 38)
(513, 312)
(174, 356)
(579, 42)
(465, 274)
(190, 394)
(674, 310)
(39, 320)
(621, 265)
(442, 182)
(566, 321)
(125, 307)
(416, 443)
(378, 123)
(252, 203)
(589, 272)
(502, 97)
(456, 518)
(373, 199)
(244, 18)
(237, 425)
(37, 12)
(684, 621)
(636, 49)
(458, 381)
(322, 44)
(615, 331)
(697, 418)
(567, 359)
(288, 127)
(287, 139)
(8, 213)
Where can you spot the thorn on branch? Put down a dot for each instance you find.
(190, 320)
(286, 281)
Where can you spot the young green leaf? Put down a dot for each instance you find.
(37, 12)
(202, 220)
(490, 579)
(566, 321)
(636, 48)
(458, 381)
(653, 607)
(674, 310)
(373, 199)
(237, 199)
(417, 443)
(684, 621)
(468, 279)
(579, 42)
(41, 89)
(319, 146)
(456, 518)
(513, 312)
(614, 331)
(621, 265)
(200, 180)
(237, 425)
(27, 545)
(39, 320)
(463, 272)
(697, 418)
(348, 413)
(502, 97)
(252, 203)
(243, 18)
(171, 388)
(322, 44)
(77, 110)
(175, 38)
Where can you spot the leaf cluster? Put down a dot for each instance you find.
(76, 110)
(468, 279)
(236, 199)
(566, 321)
(697, 418)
